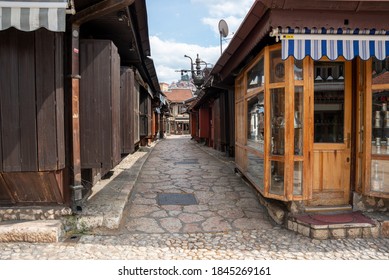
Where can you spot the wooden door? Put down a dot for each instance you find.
(332, 133)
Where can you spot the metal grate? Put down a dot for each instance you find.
(176, 199)
(188, 161)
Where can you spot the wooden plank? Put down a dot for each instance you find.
(115, 110)
(59, 99)
(45, 98)
(33, 187)
(124, 110)
(28, 128)
(5, 193)
(136, 112)
(104, 95)
(91, 87)
(10, 102)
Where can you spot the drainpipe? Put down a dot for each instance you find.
(76, 185)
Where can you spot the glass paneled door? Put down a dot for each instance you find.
(332, 133)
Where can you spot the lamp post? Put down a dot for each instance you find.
(198, 75)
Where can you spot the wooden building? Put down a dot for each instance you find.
(77, 88)
(311, 94)
(179, 118)
(212, 119)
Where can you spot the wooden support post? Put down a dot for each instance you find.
(75, 120)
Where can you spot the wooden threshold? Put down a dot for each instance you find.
(328, 209)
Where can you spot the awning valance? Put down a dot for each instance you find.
(33, 14)
(333, 43)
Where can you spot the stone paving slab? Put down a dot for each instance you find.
(225, 202)
(211, 230)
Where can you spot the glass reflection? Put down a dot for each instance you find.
(298, 178)
(329, 102)
(255, 169)
(256, 122)
(379, 175)
(277, 177)
(255, 77)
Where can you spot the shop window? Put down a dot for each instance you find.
(255, 77)
(256, 122)
(298, 121)
(277, 178)
(277, 108)
(298, 178)
(380, 127)
(329, 102)
(277, 75)
(255, 169)
(298, 70)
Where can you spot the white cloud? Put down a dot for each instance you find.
(169, 57)
(231, 11)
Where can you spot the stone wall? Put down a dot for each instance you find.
(33, 213)
(369, 204)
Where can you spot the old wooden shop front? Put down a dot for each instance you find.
(77, 90)
(311, 102)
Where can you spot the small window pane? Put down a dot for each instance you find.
(255, 169)
(298, 178)
(329, 102)
(277, 67)
(380, 122)
(298, 121)
(255, 77)
(298, 70)
(277, 178)
(278, 121)
(380, 71)
(256, 122)
(380, 175)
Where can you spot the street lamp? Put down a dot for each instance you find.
(198, 75)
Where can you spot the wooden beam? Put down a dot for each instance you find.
(100, 9)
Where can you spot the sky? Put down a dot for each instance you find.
(189, 27)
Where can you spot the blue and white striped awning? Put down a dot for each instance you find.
(333, 43)
(30, 15)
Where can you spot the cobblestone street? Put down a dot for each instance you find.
(225, 221)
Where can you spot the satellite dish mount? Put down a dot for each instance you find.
(223, 30)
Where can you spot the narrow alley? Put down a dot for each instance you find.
(189, 204)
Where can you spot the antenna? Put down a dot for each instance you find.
(223, 30)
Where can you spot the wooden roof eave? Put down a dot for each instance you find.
(239, 47)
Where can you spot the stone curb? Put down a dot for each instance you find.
(106, 209)
(41, 231)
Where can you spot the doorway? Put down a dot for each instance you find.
(332, 133)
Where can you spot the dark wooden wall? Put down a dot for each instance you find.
(204, 122)
(99, 104)
(145, 114)
(127, 110)
(32, 137)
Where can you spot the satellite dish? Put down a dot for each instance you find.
(223, 28)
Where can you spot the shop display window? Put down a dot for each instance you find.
(329, 102)
(255, 169)
(256, 76)
(277, 177)
(277, 108)
(298, 122)
(298, 178)
(256, 122)
(380, 127)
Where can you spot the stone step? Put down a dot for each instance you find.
(334, 226)
(40, 231)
